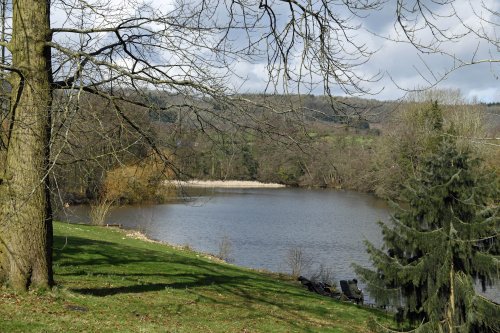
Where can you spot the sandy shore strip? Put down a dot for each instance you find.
(225, 184)
(135, 234)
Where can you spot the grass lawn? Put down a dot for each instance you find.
(108, 282)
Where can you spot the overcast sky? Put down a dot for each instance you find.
(400, 65)
(401, 62)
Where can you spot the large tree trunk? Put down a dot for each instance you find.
(26, 221)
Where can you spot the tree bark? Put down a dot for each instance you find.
(25, 212)
(451, 307)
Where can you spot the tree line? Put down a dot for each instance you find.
(370, 146)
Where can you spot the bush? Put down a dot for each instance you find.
(139, 182)
(99, 209)
(298, 261)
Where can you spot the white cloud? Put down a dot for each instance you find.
(398, 61)
(408, 67)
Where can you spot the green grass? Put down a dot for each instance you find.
(352, 140)
(107, 282)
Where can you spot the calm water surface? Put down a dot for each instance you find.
(263, 224)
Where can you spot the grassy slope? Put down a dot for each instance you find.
(108, 282)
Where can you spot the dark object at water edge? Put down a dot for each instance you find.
(351, 291)
(320, 288)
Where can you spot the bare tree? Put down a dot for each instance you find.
(225, 249)
(438, 27)
(121, 52)
(100, 209)
(298, 260)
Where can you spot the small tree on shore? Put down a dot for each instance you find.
(100, 208)
(442, 240)
(298, 261)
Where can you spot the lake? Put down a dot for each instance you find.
(262, 225)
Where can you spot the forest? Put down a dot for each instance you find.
(307, 141)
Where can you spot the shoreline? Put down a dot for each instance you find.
(224, 184)
(157, 288)
(136, 234)
(139, 235)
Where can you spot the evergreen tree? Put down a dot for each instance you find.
(442, 239)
